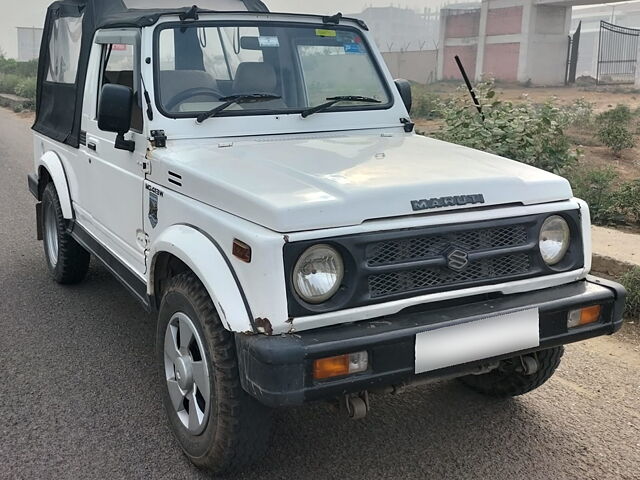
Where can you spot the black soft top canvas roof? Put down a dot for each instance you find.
(69, 29)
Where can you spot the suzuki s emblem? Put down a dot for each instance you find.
(457, 259)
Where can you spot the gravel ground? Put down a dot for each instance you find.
(79, 398)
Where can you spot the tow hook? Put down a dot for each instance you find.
(528, 365)
(357, 405)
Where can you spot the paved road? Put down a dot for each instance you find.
(79, 399)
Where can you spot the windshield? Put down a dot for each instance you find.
(301, 66)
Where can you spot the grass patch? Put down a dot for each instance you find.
(631, 281)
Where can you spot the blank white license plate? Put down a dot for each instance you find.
(477, 340)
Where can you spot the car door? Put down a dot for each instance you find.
(113, 201)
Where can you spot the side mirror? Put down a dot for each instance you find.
(404, 87)
(114, 113)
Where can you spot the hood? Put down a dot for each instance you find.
(298, 183)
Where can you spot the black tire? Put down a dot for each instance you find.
(508, 381)
(238, 427)
(71, 263)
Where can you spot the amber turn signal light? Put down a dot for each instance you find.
(583, 316)
(242, 251)
(340, 365)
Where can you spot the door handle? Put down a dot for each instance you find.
(92, 146)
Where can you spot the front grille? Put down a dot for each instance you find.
(384, 266)
(422, 248)
(439, 276)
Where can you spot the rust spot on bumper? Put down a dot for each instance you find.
(264, 326)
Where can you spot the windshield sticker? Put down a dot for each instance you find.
(268, 42)
(353, 48)
(326, 33)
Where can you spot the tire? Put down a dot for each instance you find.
(507, 381)
(67, 260)
(234, 429)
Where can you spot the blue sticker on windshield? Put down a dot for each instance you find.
(353, 48)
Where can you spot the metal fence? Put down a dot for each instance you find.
(617, 54)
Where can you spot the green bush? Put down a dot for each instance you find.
(629, 200)
(597, 187)
(580, 113)
(426, 105)
(532, 134)
(8, 82)
(22, 69)
(614, 129)
(616, 136)
(631, 281)
(27, 88)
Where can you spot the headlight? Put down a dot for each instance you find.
(555, 237)
(318, 273)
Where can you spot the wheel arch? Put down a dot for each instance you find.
(184, 247)
(50, 169)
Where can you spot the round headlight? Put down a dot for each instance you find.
(555, 237)
(318, 274)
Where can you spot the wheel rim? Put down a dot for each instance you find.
(187, 373)
(51, 233)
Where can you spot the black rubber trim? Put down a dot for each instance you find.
(276, 370)
(33, 183)
(131, 281)
(231, 269)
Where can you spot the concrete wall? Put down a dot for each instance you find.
(419, 67)
(511, 40)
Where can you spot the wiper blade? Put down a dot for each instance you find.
(236, 99)
(331, 101)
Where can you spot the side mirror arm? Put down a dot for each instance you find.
(122, 144)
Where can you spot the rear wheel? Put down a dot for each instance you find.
(510, 379)
(68, 262)
(218, 425)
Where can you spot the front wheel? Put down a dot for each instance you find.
(68, 262)
(218, 425)
(509, 380)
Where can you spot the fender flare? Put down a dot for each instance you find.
(51, 162)
(204, 256)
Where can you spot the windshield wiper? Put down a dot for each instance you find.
(236, 99)
(331, 101)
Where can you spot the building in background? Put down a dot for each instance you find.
(29, 39)
(14, 19)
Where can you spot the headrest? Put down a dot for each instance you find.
(255, 77)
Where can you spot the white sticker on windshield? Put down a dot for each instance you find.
(268, 42)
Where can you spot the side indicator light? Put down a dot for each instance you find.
(583, 316)
(340, 365)
(242, 251)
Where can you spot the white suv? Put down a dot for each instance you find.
(255, 179)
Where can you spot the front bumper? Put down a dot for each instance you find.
(277, 370)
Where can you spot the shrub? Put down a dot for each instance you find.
(629, 200)
(616, 136)
(532, 134)
(27, 88)
(426, 105)
(631, 281)
(8, 83)
(613, 129)
(597, 187)
(580, 113)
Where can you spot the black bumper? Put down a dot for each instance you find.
(277, 370)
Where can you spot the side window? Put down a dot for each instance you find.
(64, 50)
(118, 68)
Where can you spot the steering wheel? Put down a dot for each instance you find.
(190, 93)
